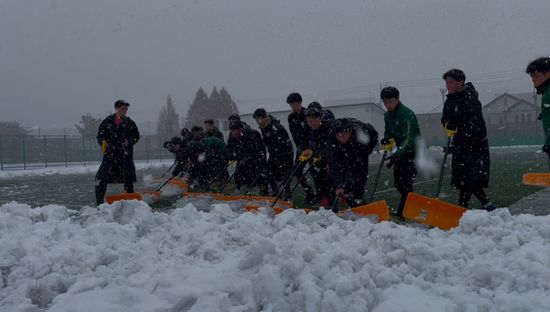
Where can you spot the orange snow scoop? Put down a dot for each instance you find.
(432, 211)
(378, 208)
(122, 196)
(537, 179)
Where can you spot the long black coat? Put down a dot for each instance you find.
(249, 152)
(117, 165)
(281, 152)
(471, 161)
(298, 129)
(349, 162)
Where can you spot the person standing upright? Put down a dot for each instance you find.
(117, 135)
(299, 129)
(539, 70)
(402, 126)
(470, 147)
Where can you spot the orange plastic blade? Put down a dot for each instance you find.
(277, 210)
(379, 208)
(179, 183)
(538, 179)
(122, 196)
(151, 196)
(432, 211)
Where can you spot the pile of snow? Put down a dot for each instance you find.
(125, 257)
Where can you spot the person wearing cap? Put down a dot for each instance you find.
(298, 127)
(316, 150)
(248, 150)
(117, 135)
(210, 127)
(402, 126)
(177, 146)
(279, 146)
(350, 146)
(539, 70)
(462, 112)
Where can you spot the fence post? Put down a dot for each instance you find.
(65, 148)
(24, 155)
(45, 152)
(1, 156)
(83, 151)
(147, 148)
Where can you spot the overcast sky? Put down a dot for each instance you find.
(60, 59)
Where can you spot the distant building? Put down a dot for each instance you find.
(511, 119)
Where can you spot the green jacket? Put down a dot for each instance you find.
(545, 109)
(402, 126)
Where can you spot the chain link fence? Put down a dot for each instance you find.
(28, 152)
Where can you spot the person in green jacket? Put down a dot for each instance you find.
(539, 70)
(402, 126)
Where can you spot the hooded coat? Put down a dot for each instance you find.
(470, 147)
(117, 165)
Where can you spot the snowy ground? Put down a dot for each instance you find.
(212, 257)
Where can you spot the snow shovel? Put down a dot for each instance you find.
(301, 160)
(538, 179)
(122, 196)
(433, 211)
(155, 195)
(379, 208)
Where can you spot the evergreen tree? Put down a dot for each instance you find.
(228, 106)
(198, 112)
(218, 106)
(168, 121)
(12, 128)
(88, 126)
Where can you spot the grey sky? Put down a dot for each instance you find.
(60, 59)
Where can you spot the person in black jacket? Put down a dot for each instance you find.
(279, 146)
(317, 150)
(298, 127)
(349, 149)
(248, 150)
(470, 147)
(117, 135)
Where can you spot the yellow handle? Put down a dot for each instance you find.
(103, 146)
(449, 132)
(388, 147)
(304, 157)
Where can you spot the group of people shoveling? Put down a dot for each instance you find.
(334, 152)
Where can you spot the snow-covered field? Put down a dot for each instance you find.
(212, 257)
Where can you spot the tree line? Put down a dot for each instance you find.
(218, 104)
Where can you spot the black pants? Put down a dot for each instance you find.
(404, 172)
(466, 194)
(101, 189)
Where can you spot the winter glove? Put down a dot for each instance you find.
(392, 160)
(317, 159)
(450, 129)
(546, 149)
(388, 144)
(304, 156)
(104, 146)
(539, 117)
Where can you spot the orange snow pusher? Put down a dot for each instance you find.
(379, 209)
(537, 179)
(122, 196)
(433, 211)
